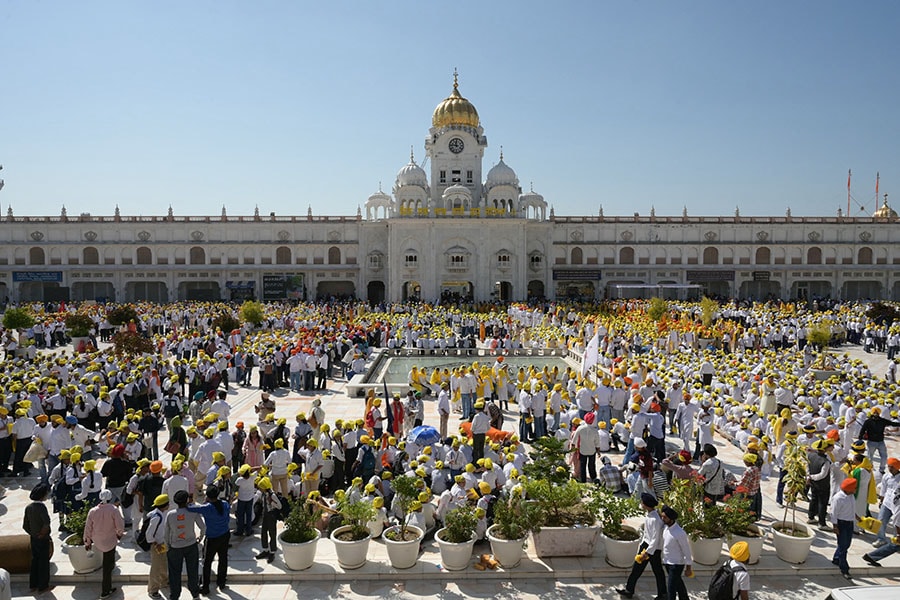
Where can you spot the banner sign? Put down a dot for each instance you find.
(703, 276)
(38, 276)
(576, 274)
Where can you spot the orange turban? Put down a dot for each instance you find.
(849, 485)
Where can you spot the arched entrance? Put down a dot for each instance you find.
(375, 292)
(504, 291)
(861, 290)
(760, 290)
(536, 289)
(335, 289)
(101, 291)
(206, 291)
(147, 291)
(412, 291)
(42, 291)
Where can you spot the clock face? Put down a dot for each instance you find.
(456, 145)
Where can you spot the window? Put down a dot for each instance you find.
(710, 256)
(411, 260)
(457, 261)
(626, 256)
(814, 256)
(503, 260)
(376, 261)
(456, 176)
(198, 256)
(537, 261)
(763, 256)
(469, 177)
(864, 257)
(334, 255)
(282, 255)
(36, 256)
(90, 256)
(144, 256)
(577, 257)
(443, 177)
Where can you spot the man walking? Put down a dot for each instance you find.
(676, 555)
(37, 525)
(182, 542)
(650, 550)
(104, 528)
(156, 535)
(216, 514)
(843, 519)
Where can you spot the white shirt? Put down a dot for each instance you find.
(676, 548)
(653, 531)
(843, 507)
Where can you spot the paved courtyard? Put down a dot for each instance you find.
(548, 578)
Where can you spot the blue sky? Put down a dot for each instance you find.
(286, 105)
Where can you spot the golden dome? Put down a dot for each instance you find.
(885, 211)
(455, 110)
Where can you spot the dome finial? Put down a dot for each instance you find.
(412, 158)
(501, 152)
(379, 188)
(531, 184)
(455, 79)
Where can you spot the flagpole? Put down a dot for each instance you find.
(877, 180)
(848, 192)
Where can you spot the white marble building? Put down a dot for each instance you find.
(450, 232)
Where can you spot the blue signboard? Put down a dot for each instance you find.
(38, 276)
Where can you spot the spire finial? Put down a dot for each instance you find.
(455, 79)
(379, 188)
(412, 158)
(531, 184)
(501, 152)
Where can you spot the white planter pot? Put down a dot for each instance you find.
(403, 555)
(565, 541)
(620, 553)
(754, 543)
(508, 553)
(299, 556)
(792, 549)
(350, 555)
(81, 561)
(707, 551)
(376, 527)
(454, 557)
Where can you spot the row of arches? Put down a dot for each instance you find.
(196, 255)
(762, 256)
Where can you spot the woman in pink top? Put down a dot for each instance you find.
(253, 448)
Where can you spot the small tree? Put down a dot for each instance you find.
(79, 324)
(708, 310)
(18, 318)
(796, 465)
(460, 525)
(121, 315)
(129, 343)
(405, 493)
(819, 334)
(658, 308)
(253, 312)
(356, 516)
(300, 524)
(612, 511)
(515, 518)
(226, 322)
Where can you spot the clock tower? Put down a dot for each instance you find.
(455, 146)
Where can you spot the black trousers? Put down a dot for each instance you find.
(269, 530)
(818, 503)
(477, 446)
(637, 569)
(5, 453)
(39, 577)
(109, 563)
(216, 548)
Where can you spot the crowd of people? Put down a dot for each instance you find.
(147, 444)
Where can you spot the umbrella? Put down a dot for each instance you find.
(424, 435)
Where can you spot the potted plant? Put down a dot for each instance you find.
(566, 526)
(457, 538)
(79, 327)
(300, 536)
(740, 523)
(514, 519)
(701, 520)
(17, 318)
(351, 540)
(83, 561)
(792, 540)
(402, 540)
(622, 541)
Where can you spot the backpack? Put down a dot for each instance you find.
(367, 463)
(282, 513)
(721, 586)
(141, 538)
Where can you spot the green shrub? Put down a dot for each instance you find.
(79, 324)
(122, 315)
(300, 524)
(18, 318)
(658, 308)
(460, 524)
(253, 312)
(129, 343)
